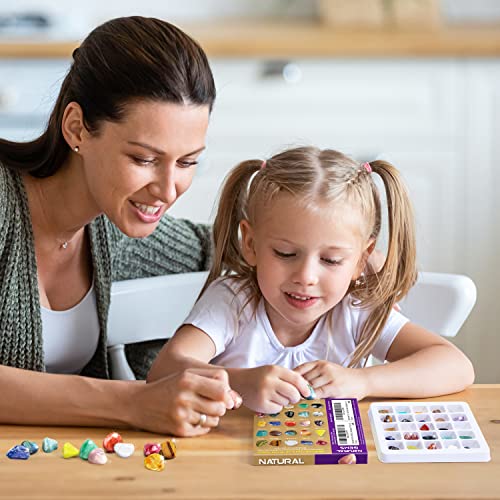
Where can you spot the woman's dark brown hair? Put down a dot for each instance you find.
(125, 59)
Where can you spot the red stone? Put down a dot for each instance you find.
(424, 427)
(321, 442)
(110, 440)
(150, 448)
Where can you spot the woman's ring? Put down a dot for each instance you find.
(202, 421)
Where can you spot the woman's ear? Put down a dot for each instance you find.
(72, 125)
(248, 243)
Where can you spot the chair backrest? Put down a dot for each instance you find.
(153, 308)
(148, 309)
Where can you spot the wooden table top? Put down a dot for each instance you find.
(218, 466)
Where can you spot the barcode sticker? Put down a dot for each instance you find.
(345, 422)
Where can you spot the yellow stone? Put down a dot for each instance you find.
(155, 462)
(261, 423)
(320, 432)
(70, 451)
(169, 449)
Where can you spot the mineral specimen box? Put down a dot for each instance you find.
(319, 431)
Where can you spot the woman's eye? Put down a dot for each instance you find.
(283, 255)
(332, 262)
(187, 163)
(144, 162)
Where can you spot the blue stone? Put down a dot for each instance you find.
(312, 392)
(304, 414)
(32, 447)
(275, 422)
(261, 433)
(19, 452)
(291, 433)
(49, 445)
(306, 442)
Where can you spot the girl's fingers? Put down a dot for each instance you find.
(305, 368)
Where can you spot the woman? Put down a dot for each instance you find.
(84, 204)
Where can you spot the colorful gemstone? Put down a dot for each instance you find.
(18, 452)
(169, 449)
(97, 456)
(49, 445)
(390, 438)
(465, 437)
(321, 442)
(87, 446)
(405, 420)
(459, 418)
(150, 448)
(261, 442)
(261, 423)
(304, 414)
(289, 414)
(411, 447)
(383, 411)
(442, 429)
(440, 419)
(432, 446)
(275, 442)
(124, 450)
(291, 442)
(387, 418)
(70, 451)
(316, 405)
(110, 440)
(393, 448)
(154, 462)
(305, 432)
(290, 423)
(303, 405)
(274, 415)
(305, 423)
(275, 433)
(275, 422)
(391, 429)
(260, 414)
(437, 410)
(32, 447)
(291, 433)
(312, 392)
(429, 437)
(319, 423)
(306, 442)
(411, 436)
(288, 407)
(320, 432)
(318, 414)
(424, 427)
(261, 433)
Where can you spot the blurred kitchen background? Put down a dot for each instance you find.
(414, 81)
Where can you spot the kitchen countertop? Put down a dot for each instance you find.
(301, 39)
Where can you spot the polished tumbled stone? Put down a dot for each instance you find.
(70, 450)
(150, 448)
(87, 446)
(49, 445)
(32, 446)
(18, 452)
(154, 462)
(124, 450)
(110, 440)
(97, 456)
(169, 449)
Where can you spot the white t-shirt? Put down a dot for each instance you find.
(244, 339)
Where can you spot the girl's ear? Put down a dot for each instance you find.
(72, 126)
(361, 267)
(248, 243)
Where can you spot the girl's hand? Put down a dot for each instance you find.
(175, 404)
(330, 380)
(267, 389)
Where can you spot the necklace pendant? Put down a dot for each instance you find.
(64, 245)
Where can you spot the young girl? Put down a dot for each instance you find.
(287, 304)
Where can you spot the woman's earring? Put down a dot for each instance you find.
(360, 281)
(76, 149)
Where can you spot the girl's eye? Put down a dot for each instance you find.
(283, 255)
(332, 262)
(143, 162)
(187, 163)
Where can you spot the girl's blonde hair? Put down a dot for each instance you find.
(317, 176)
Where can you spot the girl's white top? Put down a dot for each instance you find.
(70, 337)
(245, 339)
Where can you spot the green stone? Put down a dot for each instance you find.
(49, 445)
(261, 442)
(87, 446)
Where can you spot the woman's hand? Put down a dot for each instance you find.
(330, 380)
(267, 389)
(176, 404)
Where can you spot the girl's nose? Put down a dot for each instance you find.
(306, 273)
(165, 188)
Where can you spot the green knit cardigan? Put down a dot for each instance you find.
(176, 246)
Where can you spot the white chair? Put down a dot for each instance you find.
(153, 308)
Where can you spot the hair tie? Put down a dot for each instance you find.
(263, 164)
(367, 167)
